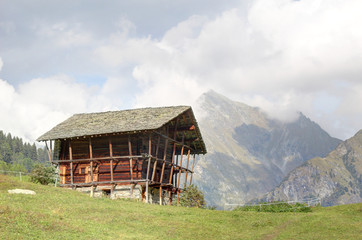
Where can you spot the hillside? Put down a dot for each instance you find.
(17, 155)
(55, 213)
(248, 153)
(336, 179)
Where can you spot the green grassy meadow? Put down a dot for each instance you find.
(56, 213)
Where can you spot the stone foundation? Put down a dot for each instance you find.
(126, 191)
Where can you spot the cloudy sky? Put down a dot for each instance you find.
(58, 58)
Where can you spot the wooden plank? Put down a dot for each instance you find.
(187, 166)
(71, 164)
(111, 154)
(192, 171)
(99, 159)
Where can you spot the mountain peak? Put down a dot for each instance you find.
(359, 133)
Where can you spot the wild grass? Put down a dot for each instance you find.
(276, 207)
(56, 213)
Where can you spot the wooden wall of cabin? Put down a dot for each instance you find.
(121, 168)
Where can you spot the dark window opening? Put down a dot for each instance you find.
(106, 192)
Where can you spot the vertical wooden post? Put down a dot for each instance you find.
(48, 150)
(71, 163)
(164, 161)
(156, 159)
(131, 159)
(169, 197)
(187, 167)
(163, 168)
(148, 165)
(171, 172)
(160, 194)
(193, 164)
(91, 158)
(179, 176)
(173, 161)
(92, 191)
(130, 163)
(51, 150)
(111, 156)
(180, 170)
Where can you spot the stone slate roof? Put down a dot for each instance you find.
(88, 124)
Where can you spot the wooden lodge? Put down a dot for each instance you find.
(146, 153)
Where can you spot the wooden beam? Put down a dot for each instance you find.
(180, 170)
(174, 140)
(163, 168)
(91, 158)
(105, 182)
(169, 197)
(100, 159)
(164, 160)
(48, 150)
(187, 166)
(176, 173)
(51, 150)
(92, 191)
(192, 171)
(174, 150)
(173, 160)
(156, 155)
(111, 155)
(148, 165)
(160, 194)
(130, 162)
(71, 163)
(131, 159)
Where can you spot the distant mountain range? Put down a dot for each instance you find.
(249, 154)
(335, 179)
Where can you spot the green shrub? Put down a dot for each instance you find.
(43, 174)
(192, 197)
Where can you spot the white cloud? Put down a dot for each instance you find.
(38, 105)
(64, 34)
(284, 56)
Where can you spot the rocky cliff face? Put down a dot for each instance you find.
(248, 153)
(335, 179)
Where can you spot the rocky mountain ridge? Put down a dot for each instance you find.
(248, 153)
(335, 179)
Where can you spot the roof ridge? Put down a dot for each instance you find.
(131, 109)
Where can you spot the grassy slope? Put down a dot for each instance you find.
(55, 213)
